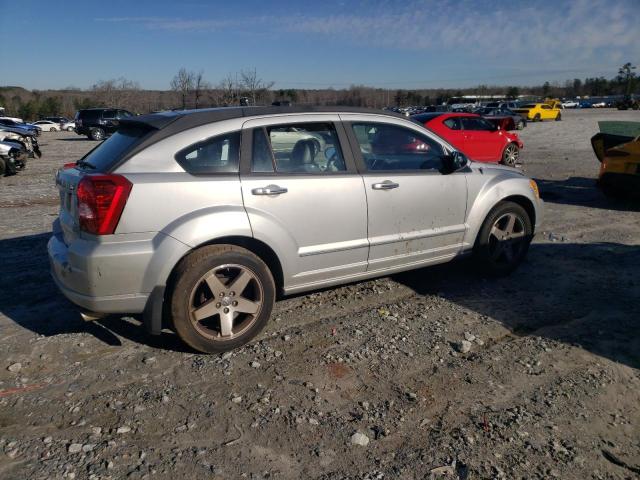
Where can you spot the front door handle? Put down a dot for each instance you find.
(269, 190)
(386, 185)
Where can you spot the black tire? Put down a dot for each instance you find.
(3, 167)
(53, 129)
(191, 292)
(537, 118)
(96, 134)
(558, 117)
(510, 155)
(490, 253)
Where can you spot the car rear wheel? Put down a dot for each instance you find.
(536, 118)
(96, 134)
(510, 155)
(520, 125)
(558, 117)
(53, 129)
(3, 167)
(69, 129)
(223, 296)
(503, 240)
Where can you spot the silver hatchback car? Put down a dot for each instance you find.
(201, 219)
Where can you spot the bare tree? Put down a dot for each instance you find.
(183, 83)
(253, 85)
(229, 89)
(115, 92)
(199, 86)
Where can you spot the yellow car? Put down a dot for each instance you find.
(620, 170)
(619, 154)
(536, 112)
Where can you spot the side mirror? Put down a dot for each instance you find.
(454, 162)
(460, 160)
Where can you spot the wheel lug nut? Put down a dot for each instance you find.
(218, 305)
(235, 304)
(221, 294)
(233, 294)
(226, 310)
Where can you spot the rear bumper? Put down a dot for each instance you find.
(113, 274)
(80, 286)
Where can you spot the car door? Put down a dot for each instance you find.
(482, 138)
(416, 214)
(305, 198)
(451, 130)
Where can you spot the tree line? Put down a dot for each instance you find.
(190, 89)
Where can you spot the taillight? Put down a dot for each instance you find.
(101, 199)
(67, 166)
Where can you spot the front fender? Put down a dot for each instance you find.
(486, 195)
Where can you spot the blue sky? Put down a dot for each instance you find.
(324, 43)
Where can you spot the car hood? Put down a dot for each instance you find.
(493, 168)
(20, 131)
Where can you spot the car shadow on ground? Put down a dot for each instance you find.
(582, 191)
(30, 298)
(579, 294)
(74, 139)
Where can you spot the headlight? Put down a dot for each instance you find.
(534, 188)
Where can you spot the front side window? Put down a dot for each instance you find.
(473, 123)
(219, 154)
(452, 123)
(297, 148)
(390, 147)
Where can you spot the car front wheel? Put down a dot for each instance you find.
(223, 297)
(510, 155)
(503, 240)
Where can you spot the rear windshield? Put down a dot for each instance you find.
(106, 155)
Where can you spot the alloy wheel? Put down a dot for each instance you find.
(507, 238)
(510, 156)
(226, 302)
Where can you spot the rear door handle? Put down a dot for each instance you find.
(386, 185)
(269, 190)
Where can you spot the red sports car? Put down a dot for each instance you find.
(474, 136)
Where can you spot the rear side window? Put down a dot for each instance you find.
(88, 114)
(107, 154)
(219, 154)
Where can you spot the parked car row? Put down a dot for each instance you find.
(17, 144)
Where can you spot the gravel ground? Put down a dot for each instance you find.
(430, 374)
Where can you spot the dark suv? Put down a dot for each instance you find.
(96, 123)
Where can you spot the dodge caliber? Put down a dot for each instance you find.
(199, 220)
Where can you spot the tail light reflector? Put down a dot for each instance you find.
(101, 200)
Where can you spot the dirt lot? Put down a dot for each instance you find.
(549, 389)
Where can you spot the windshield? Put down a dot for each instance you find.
(107, 154)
